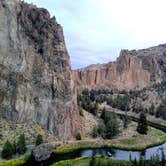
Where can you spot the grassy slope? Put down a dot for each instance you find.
(15, 162)
(136, 143)
(86, 161)
(139, 142)
(11, 130)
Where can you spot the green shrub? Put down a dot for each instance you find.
(14, 147)
(112, 128)
(142, 127)
(152, 110)
(21, 144)
(161, 111)
(86, 101)
(78, 136)
(126, 120)
(7, 150)
(120, 102)
(102, 130)
(39, 139)
(95, 132)
(109, 128)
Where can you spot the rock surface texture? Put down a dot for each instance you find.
(35, 73)
(132, 70)
(42, 152)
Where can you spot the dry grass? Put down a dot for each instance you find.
(129, 139)
(10, 130)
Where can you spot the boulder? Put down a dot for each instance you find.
(42, 152)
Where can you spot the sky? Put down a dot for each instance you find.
(96, 30)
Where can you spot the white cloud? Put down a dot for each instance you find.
(95, 30)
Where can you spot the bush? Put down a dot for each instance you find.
(7, 150)
(161, 111)
(39, 139)
(142, 127)
(87, 102)
(78, 136)
(120, 102)
(21, 144)
(103, 113)
(95, 132)
(14, 147)
(110, 128)
(102, 130)
(152, 110)
(126, 120)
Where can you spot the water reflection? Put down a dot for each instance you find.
(114, 153)
(126, 155)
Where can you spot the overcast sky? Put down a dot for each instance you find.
(96, 30)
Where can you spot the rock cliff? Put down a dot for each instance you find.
(133, 70)
(35, 73)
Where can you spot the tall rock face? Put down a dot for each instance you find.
(35, 73)
(133, 70)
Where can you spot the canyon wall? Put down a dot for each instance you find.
(35, 73)
(134, 70)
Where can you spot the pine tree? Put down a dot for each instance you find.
(142, 127)
(14, 147)
(39, 139)
(126, 120)
(95, 132)
(21, 144)
(103, 113)
(94, 109)
(152, 110)
(7, 150)
(78, 136)
(112, 126)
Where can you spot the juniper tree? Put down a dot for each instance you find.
(7, 150)
(142, 127)
(39, 139)
(21, 144)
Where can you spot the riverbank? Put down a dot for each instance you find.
(105, 161)
(152, 120)
(86, 162)
(137, 143)
(15, 162)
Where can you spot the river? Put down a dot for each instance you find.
(115, 154)
(124, 154)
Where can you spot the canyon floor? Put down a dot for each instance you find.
(128, 138)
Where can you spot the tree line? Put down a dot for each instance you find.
(9, 149)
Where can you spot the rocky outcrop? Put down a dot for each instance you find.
(35, 73)
(42, 152)
(133, 70)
